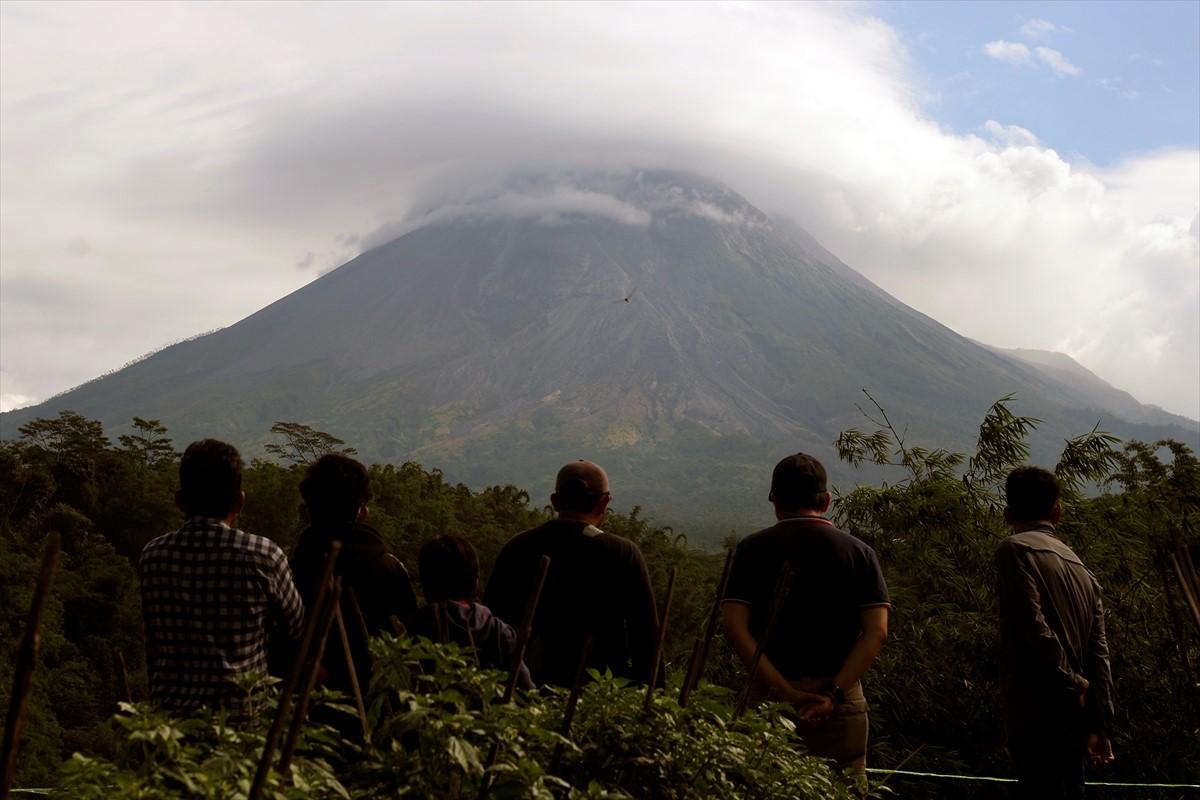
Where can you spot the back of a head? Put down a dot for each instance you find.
(449, 569)
(1031, 494)
(579, 486)
(334, 488)
(799, 483)
(210, 479)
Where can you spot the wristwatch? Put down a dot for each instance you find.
(834, 692)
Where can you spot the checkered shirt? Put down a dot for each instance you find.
(210, 596)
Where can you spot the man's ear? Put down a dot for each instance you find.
(828, 501)
(602, 505)
(302, 510)
(239, 505)
(364, 513)
(554, 501)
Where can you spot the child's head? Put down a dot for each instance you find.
(449, 569)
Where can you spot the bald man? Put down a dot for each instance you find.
(597, 584)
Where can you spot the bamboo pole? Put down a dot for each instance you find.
(300, 715)
(293, 678)
(564, 730)
(701, 648)
(355, 689)
(526, 630)
(18, 702)
(123, 692)
(781, 589)
(514, 672)
(1185, 573)
(658, 645)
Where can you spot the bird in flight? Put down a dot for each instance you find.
(628, 297)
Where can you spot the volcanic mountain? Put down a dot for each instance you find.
(655, 322)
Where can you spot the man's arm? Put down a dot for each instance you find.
(735, 619)
(1024, 625)
(1098, 700)
(874, 622)
(286, 600)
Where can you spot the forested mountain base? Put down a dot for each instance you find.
(934, 693)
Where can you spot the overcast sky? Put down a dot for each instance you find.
(1028, 174)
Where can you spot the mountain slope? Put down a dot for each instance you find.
(654, 321)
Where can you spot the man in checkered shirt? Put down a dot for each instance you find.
(212, 594)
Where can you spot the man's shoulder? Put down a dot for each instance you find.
(784, 531)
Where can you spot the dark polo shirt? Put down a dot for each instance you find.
(834, 577)
(597, 582)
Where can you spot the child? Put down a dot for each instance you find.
(450, 578)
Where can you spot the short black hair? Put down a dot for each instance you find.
(1031, 493)
(210, 479)
(334, 487)
(449, 569)
(799, 482)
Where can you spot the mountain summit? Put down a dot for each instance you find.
(656, 322)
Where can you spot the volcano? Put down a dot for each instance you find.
(655, 322)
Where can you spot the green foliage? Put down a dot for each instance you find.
(934, 691)
(205, 757)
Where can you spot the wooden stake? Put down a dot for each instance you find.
(585, 655)
(18, 703)
(123, 692)
(662, 638)
(514, 672)
(300, 715)
(526, 630)
(781, 589)
(701, 648)
(355, 689)
(294, 675)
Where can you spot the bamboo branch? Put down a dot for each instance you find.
(662, 638)
(585, 655)
(300, 715)
(514, 673)
(123, 692)
(355, 689)
(781, 589)
(702, 646)
(293, 679)
(18, 703)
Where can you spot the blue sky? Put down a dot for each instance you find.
(1137, 87)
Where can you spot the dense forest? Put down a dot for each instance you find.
(934, 695)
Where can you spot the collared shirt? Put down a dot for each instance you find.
(834, 577)
(1051, 631)
(210, 596)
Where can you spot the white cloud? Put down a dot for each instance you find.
(1039, 29)
(1057, 62)
(1010, 52)
(201, 151)
(1010, 135)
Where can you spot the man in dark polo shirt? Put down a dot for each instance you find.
(832, 622)
(1055, 674)
(597, 583)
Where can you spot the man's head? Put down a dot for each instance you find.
(581, 492)
(210, 480)
(1031, 495)
(798, 485)
(335, 489)
(449, 569)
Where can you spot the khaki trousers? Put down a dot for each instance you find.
(842, 738)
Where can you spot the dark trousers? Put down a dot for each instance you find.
(1049, 762)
